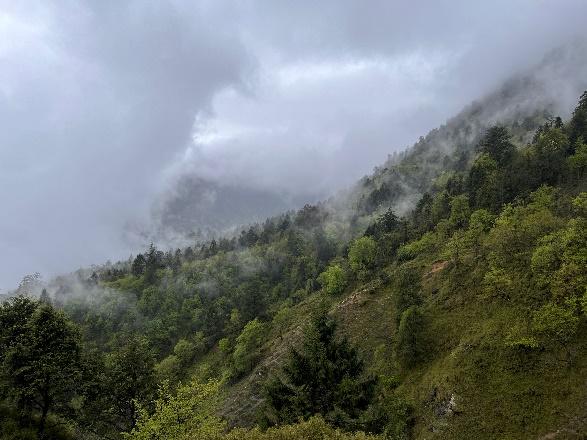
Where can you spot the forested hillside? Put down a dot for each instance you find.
(444, 296)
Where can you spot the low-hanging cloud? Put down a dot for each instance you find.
(94, 99)
(105, 105)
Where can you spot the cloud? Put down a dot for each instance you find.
(105, 106)
(342, 84)
(95, 99)
(314, 126)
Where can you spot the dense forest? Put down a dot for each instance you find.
(444, 296)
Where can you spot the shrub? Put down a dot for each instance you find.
(248, 345)
(411, 250)
(556, 322)
(362, 254)
(188, 414)
(313, 428)
(410, 341)
(333, 279)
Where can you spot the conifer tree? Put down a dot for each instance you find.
(324, 377)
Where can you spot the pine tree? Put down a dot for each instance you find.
(578, 123)
(325, 377)
(138, 265)
(496, 143)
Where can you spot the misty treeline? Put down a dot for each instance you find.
(148, 348)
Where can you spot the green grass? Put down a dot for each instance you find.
(471, 384)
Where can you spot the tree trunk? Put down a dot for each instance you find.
(44, 411)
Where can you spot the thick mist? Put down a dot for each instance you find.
(117, 119)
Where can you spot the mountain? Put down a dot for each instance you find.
(198, 208)
(522, 104)
(443, 296)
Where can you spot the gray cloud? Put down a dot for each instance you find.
(95, 99)
(104, 105)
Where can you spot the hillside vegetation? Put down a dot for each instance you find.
(461, 317)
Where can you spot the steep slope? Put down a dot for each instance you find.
(521, 104)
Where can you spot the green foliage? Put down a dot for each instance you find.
(498, 283)
(174, 366)
(496, 144)
(512, 291)
(169, 369)
(386, 223)
(425, 244)
(559, 263)
(407, 288)
(481, 220)
(459, 211)
(411, 344)
(138, 265)
(524, 342)
(362, 254)
(283, 318)
(187, 414)
(333, 279)
(325, 377)
(313, 428)
(392, 416)
(248, 346)
(225, 346)
(130, 380)
(578, 161)
(440, 206)
(555, 322)
(187, 350)
(518, 228)
(483, 183)
(520, 337)
(580, 204)
(40, 358)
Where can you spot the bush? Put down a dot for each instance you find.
(333, 280)
(189, 414)
(313, 428)
(169, 369)
(556, 322)
(362, 254)
(390, 415)
(248, 345)
(425, 244)
(410, 340)
(407, 283)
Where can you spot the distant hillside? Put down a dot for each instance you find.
(197, 208)
(521, 104)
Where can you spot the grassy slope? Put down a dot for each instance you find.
(496, 393)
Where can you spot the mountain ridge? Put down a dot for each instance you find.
(456, 273)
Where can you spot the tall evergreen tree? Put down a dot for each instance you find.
(578, 123)
(138, 265)
(40, 359)
(496, 143)
(325, 377)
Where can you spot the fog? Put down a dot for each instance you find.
(107, 106)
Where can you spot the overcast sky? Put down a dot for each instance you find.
(104, 103)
